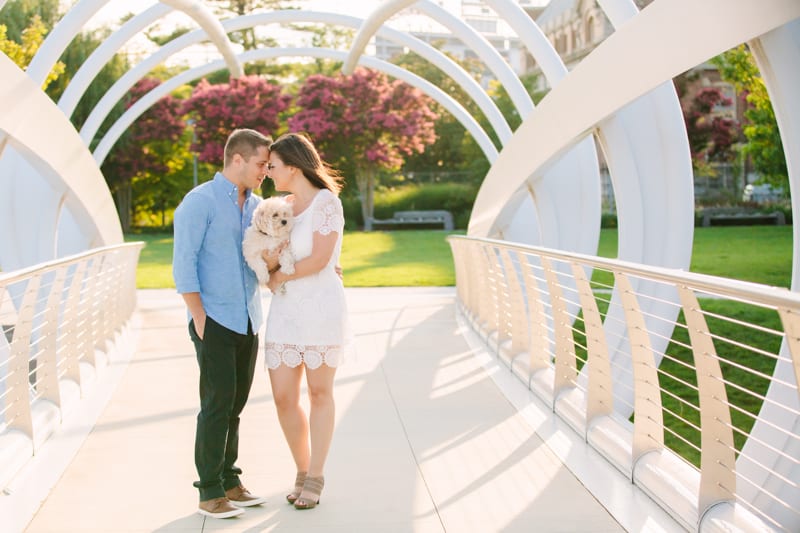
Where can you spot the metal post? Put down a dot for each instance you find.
(191, 123)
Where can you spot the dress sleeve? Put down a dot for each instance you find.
(328, 214)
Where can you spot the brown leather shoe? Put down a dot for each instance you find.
(218, 508)
(241, 497)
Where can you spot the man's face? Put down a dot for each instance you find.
(254, 169)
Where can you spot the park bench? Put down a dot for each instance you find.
(736, 215)
(400, 218)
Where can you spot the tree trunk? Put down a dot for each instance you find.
(365, 178)
(123, 194)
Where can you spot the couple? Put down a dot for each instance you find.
(305, 327)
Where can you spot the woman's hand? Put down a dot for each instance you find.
(276, 281)
(271, 257)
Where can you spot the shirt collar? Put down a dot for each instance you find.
(229, 187)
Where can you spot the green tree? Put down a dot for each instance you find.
(147, 156)
(322, 36)
(454, 152)
(22, 51)
(504, 102)
(16, 15)
(764, 146)
(76, 54)
(247, 37)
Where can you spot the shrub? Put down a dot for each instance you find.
(454, 197)
(608, 220)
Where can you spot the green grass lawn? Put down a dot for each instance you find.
(762, 254)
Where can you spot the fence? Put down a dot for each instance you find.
(60, 320)
(686, 383)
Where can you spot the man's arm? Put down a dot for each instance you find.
(195, 306)
(187, 243)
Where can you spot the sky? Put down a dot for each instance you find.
(110, 15)
(115, 9)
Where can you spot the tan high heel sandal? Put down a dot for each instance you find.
(298, 487)
(313, 486)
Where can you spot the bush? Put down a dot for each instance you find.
(608, 220)
(454, 197)
(750, 207)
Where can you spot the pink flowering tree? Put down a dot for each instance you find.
(247, 102)
(711, 137)
(146, 153)
(366, 122)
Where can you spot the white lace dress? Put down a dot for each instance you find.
(307, 322)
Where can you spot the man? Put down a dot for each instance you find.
(223, 300)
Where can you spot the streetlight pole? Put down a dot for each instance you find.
(194, 160)
(191, 123)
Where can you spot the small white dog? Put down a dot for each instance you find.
(271, 225)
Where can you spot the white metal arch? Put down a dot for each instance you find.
(607, 80)
(652, 175)
(46, 138)
(574, 181)
(370, 26)
(103, 54)
(577, 172)
(120, 88)
(210, 27)
(776, 53)
(165, 88)
(66, 29)
(601, 86)
(475, 40)
(45, 222)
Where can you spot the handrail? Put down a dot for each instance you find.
(717, 409)
(60, 321)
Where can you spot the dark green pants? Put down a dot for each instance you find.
(227, 363)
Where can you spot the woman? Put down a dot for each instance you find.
(307, 316)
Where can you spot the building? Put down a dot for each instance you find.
(576, 27)
(477, 14)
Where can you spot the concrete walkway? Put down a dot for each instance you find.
(425, 441)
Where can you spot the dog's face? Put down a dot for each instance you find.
(273, 217)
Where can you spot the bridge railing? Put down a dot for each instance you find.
(59, 320)
(686, 383)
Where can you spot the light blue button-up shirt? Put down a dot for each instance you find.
(207, 254)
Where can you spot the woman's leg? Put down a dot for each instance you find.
(285, 383)
(321, 417)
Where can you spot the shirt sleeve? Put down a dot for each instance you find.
(328, 214)
(190, 223)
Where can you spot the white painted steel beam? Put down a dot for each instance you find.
(141, 105)
(633, 61)
(369, 27)
(210, 28)
(105, 52)
(776, 54)
(123, 85)
(77, 17)
(39, 131)
(485, 51)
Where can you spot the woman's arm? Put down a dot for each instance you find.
(321, 252)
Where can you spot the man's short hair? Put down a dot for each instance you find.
(245, 142)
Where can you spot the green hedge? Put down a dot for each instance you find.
(454, 197)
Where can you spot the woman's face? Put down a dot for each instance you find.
(278, 172)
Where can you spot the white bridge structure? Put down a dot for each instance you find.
(593, 339)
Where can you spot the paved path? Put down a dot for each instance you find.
(424, 441)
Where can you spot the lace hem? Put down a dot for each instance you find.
(293, 355)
